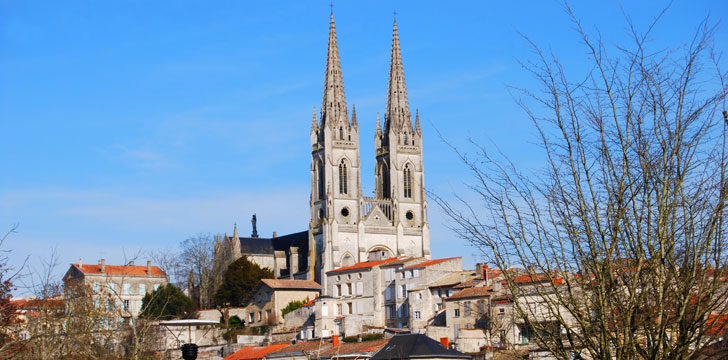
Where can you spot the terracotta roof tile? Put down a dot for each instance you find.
(431, 262)
(119, 270)
(472, 292)
(356, 347)
(364, 265)
(303, 346)
(291, 284)
(255, 352)
(537, 278)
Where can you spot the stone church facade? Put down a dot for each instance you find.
(347, 227)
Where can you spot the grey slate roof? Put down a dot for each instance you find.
(266, 246)
(415, 346)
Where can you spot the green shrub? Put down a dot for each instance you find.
(293, 305)
(364, 337)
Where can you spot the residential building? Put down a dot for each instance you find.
(270, 296)
(117, 288)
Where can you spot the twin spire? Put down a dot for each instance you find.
(333, 107)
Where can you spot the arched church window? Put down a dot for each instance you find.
(343, 179)
(407, 182)
(320, 180)
(341, 133)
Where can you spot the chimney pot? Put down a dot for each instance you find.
(102, 263)
(80, 263)
(149, 267)
(335, 340)
(445, 342)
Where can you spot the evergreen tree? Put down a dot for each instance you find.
(167, 303)
(239, 280)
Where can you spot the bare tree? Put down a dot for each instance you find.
(10, 344)
(198, 260)
(621, 234)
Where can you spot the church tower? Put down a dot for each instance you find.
(335, 167)
(400, 174)
(347, 227)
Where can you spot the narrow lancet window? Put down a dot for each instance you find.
(343, 179)
(320, 180)
(407, 182)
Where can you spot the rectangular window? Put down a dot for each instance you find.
(127, 289)
(467, 308)
(405, 274)
(126, 305)
(251, 318)
(403, 289)
(388, 293)
(349, 308)
(260, 316)
(456, 312)
(350, 289)
(337, 290)
(142, 289)
(360, 288)
(338, 310)
(416, 273)
(417, 315)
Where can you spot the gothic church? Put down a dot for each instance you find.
(347, 227)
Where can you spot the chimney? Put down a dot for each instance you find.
(149, 267)
(335, 340)
(102, 263)
(80, 264)
(479, 268)
(131, 263)
(485, 273)
(445, 342)
(275, 234)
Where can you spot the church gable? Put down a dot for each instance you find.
(376, 217)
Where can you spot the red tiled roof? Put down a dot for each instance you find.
(291, 284)
(37, 303)
(364, 265)
(255, 352)
(472, 292)
(302, 346)
(356, 347)
(716, 324)
(119, 270)
(537, 278)
(431, 262)
(310, 303)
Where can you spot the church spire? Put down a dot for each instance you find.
(398, 115)
(333, 107)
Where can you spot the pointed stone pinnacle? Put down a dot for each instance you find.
(235, 231)
(353, 116)
(418, 129)
(379, 126)
(314, 123)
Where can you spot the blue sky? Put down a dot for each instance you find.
(128, 126)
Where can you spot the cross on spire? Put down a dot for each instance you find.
(331, 5)
(395, 14)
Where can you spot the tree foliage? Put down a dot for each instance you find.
(167, 302)
(625, 222)
(239, 280)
